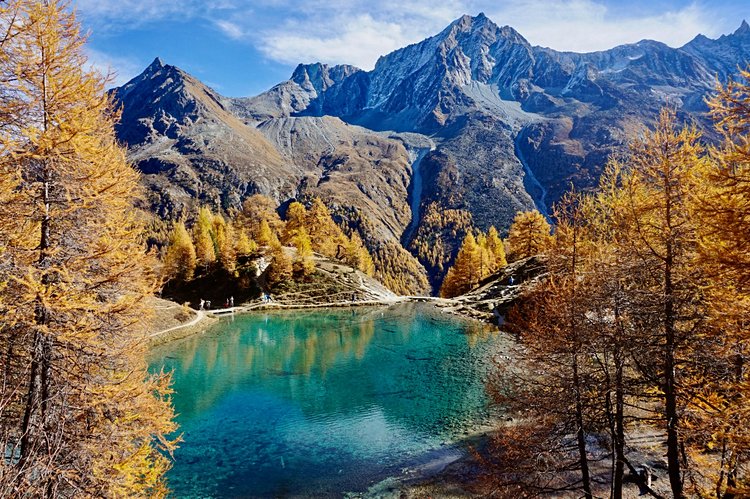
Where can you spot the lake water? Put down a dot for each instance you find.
(318, 403)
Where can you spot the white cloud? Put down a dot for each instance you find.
(230, 29)
(585, 25)
(124, 14)
(359, 41)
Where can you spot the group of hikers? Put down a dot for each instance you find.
(206, 304)
(229, 303)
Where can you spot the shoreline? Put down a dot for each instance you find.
(206, 318)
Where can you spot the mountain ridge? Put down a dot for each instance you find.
(510, 126)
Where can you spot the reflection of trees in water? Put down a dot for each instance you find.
(411, 362)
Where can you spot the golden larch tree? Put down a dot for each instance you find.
(281, 267)
(327, 237)
(257, 209)
(222, 234)
(465, 272)
(81, 415)
(179, 258)
(265, 236)
(205, 250)
(657, 230)
(295, 220)
(529, 235)
(496, 248)
(244, 245)
(304, 263)
(721, 201)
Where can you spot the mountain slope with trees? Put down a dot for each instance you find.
(511, 127)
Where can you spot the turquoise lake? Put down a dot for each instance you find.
(320, 403)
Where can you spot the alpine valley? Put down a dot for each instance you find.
(461, 130)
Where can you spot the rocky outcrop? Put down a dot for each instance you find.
(497, 294)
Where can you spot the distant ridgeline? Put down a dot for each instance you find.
(511, 127)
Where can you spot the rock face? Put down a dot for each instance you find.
(510, 126)
(190, 148)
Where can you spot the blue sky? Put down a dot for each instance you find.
(243, 47)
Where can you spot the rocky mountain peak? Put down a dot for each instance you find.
(743, 30)
(317, 78)
(157, 64)
(480, 29)
(160, 100)
(472, 23)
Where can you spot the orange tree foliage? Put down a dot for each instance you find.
(303, 261)
(659, 304)
(179, 258)
(477, 259)
(80, 414)
(529, 235)
(205, 250)
(722, 204)
(465, 272)
(255, 210)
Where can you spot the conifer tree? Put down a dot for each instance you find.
(295, 220)
(529, 235)
(656, 228)
(205, 249)
(80, 415)
(327, 237)
(304, 262)
(357, 255)
(281, 267)
(721, 201)
(256, 209)
(556, 339)
(222, 234)
(465, 272)
(496, 249)
(265, 236)
(244, 246)
(179, 259)
(486, 260)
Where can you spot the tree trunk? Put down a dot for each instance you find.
(580, 433)
(670, 394)
(35, 409)
(619, 440)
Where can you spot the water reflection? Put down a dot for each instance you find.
(286, 403)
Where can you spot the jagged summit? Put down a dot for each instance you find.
(744, 29)
(157, 63)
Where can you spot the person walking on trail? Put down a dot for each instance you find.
(202, 302)
(512, 280)
(231, 301)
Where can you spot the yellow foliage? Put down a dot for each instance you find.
(295, 220)
(466, 270)
(79, 406)
(304, 262)
(205, 250)
(179, 259)
(529, 235)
